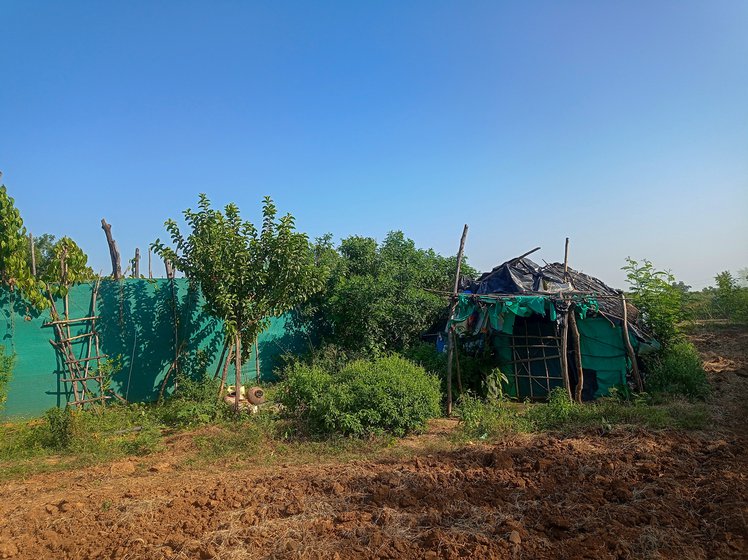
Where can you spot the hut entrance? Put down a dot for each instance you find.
(534, 352)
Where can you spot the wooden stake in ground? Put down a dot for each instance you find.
(629, 347)
(33, 255)
(577, 353)
(452, 307)
(113, 251)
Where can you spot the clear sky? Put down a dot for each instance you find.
(623, 125)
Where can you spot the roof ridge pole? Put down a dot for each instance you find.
(450, 330)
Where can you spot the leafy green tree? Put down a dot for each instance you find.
(246, 274)
(6, 371)
(656, 295)
(730, 299)
(14, 270)
(377, 298)
(44, 253)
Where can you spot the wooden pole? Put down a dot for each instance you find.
(136, 264)
(169, 269)
(577, 353)
(629, 347)
(150, 270)
(452, 307)
(33, 254)
(113, 251)
(566, 259)
(565, 355)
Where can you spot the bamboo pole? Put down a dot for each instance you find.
(577, 354)
(629, 347)
(566, 259)
(150, 270)
(453, 306)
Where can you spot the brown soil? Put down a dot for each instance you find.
(626, 494)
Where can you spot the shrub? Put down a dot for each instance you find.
(485, 420)
(387, 395)
(61, 427)
(678, 370)
(194, 402)
(6, 371)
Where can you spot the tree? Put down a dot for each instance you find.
(14, 270)
(378, 298)
(246, 275)
(730, 299)
(657, 296)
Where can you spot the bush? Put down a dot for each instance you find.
(61, 428)
(486, 420)
(388, 395)
(194, 402)
(678, 370)
(6, 370)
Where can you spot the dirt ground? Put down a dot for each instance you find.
(624, 494)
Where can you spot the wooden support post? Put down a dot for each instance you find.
(150, 270)
(136, 264)
(113, 251)
(33, 254)
(629, 347)
(452, 307)
(566, 259)
(577, 353)
(564, 352)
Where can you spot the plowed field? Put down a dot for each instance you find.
(622, 494)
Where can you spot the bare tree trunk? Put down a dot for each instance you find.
(136, 263)
(225, 373)
(33, 255)
(238, 366)
(113, 251)
(257, 361)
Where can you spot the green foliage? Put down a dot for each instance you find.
(195, 402)
(6, 372)
(76, 268)
(61, 426)
(246, 274)
(14, 271)
(677, 370)
(480, 419)
(376, 297)
(658, 297)
(44, 253)
(387, 395)
(730, 298)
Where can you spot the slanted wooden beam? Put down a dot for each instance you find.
(450, 334)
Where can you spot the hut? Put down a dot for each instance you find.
(550, 326)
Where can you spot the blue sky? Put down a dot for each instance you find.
(621, 125)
